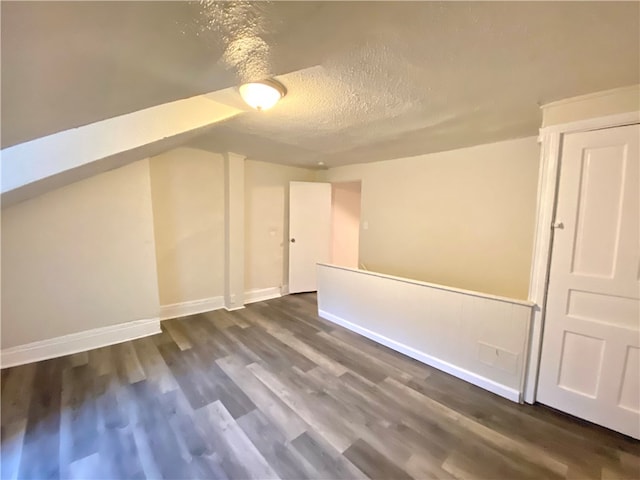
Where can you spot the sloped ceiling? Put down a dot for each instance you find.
(366, 80)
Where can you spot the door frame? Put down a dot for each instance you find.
(550, 140)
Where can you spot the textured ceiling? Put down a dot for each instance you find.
(366, 80)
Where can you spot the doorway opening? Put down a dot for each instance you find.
(345, 223)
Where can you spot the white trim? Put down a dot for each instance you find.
(591, 96)
(184, 309)
(473, 378)
(551, 139)
(472, 293)
(261, 294)
(547, 186)
(233, 309)
(78, 342)
(596, 123)
(285, 290)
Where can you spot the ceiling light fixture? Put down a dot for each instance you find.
(262, 95)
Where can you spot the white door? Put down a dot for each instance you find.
(590, 365)
(309, 233)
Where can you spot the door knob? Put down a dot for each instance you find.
(293, 240)
(557, 225)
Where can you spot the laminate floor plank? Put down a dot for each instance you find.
(12, 438)
(226, 340)
(208, 467)
(327, 461)
(372, 359)
(156, 431)
(274, 391)
(284, 319)
(265, 353)
(308, 351)
(101, 360)
(127, 362)
(337, 433)
(289, 355)
(250, 316)
(405, 364)
(270, 404)
(17, 391)
(513, 421)
(79, 419)
(219, 386)
(185, 369)
(272, 444)
(110, 402)
(223, 319)
(357, 363)
(521, 450)
(180, 416)
(373, 463)
(41, 447)
(119, 457)
(175, 329)
(421, 466)
(203, 334)
(154, 366)
(353, 407)
(285, 309)
(367, 425)
(234, 443)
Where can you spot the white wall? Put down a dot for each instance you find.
(187, 188)
(463, 218)
(479, 338)
(345, 223)
(267, 222)
(80, 257)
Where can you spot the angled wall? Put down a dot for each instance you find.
(79, 258)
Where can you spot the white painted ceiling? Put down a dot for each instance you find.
(367, 80)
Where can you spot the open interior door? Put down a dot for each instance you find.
(590, 365)
(309, 232)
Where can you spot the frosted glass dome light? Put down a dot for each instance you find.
(262, 95)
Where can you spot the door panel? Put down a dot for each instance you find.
(630, 391)
(590, 363)
(309, 232)
(599, 211)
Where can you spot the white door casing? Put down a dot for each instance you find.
(590, 362)
(309, 232)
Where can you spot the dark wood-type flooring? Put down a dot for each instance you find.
(274, 391)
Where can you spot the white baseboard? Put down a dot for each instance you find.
(184, 309)
(473, 378)
(233, 309)
(262, 294)
(78, 342)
